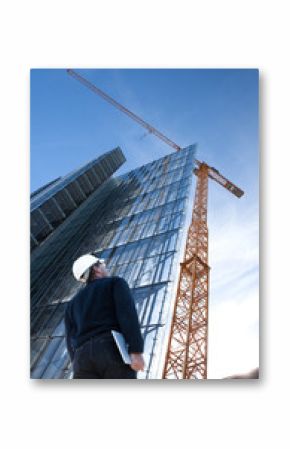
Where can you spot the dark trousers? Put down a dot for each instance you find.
(99, 358)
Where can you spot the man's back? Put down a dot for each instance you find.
(103, 305)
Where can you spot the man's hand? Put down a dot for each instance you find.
(137, 362)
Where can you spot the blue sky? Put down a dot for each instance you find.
(70, 125)
(217, 109)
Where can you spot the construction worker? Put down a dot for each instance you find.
(104, 304)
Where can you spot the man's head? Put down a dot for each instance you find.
(88, 268)
(98, 271)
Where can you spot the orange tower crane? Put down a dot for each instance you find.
(186, 356)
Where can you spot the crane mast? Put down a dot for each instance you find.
(186, 355)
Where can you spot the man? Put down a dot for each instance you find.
(104, 304)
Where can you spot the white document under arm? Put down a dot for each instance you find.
(122, 346)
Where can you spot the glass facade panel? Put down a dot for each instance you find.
(66, 202)
(40, 228)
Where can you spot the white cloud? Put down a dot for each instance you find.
(234, 294)
(233, 337)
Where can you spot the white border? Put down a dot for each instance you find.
(152, 34)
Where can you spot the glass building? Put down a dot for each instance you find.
(54, 202)
(138, 223)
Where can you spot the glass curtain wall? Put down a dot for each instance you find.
(137, 226)
(52, 204)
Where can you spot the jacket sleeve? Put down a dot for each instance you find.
(68, 332)
(127, 315)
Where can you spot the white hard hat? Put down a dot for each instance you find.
(81, 266)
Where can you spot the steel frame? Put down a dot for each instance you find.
(186, 356)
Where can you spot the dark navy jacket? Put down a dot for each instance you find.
(101, 306)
